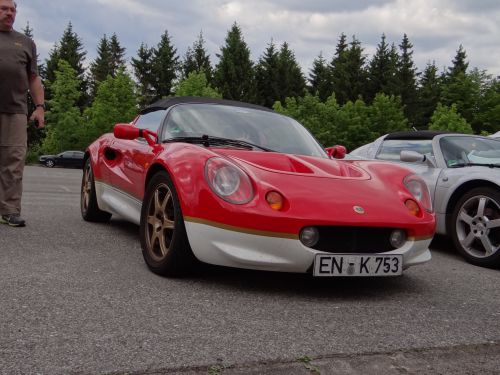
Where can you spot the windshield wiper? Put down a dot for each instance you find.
(208, 141)
(460, 165)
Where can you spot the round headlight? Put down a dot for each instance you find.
(228, 181)
(309, 236)
(418, 188)
(398, 238)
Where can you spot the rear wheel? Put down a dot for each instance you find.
(164, 241)
(475, 228)
(88, 201)
(50, 163)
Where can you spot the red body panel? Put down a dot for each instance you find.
(317, 191)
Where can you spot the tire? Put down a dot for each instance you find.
(475, 227)
(88, 201)
(164, 242)
(50, 163)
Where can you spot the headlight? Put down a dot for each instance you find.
(418, 188)
(228, 181)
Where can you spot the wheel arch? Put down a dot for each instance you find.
(461, 190)
(154, 169)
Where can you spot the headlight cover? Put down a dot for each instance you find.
(228, 181)
(418, 188)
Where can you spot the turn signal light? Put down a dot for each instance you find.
(275, 200)
(413, 207)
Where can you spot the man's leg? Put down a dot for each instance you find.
(13, 145)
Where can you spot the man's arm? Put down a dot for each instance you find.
(38, 95)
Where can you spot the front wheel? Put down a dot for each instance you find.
(88, 200)
(50, 163)
(164, 241)
(475, 226)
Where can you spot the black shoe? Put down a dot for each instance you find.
(14, 220)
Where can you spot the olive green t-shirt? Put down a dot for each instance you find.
(17, 63)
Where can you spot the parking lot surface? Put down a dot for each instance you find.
(77, 298)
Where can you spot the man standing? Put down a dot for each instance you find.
(18, 74)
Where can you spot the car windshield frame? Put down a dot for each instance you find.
(469, 150)
(265, 129)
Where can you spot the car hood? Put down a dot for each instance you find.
(307, 166)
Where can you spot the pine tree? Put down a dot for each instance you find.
(407, 77)
(234, 73)
(460, 64)
(356, 75)
(338, 69)
(117, 56)
(320, 78)
(69, 49)
(165, 67)
(197, 59)
(291, 79)
(143, 71)
(382, 70)
(100, 68)
(428, 94)
(267, 77)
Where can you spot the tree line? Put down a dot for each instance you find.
(349, 99)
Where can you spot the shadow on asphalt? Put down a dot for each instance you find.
(291, 284)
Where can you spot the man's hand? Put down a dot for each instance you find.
(38, 116)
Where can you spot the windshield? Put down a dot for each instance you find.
(465, 150)
(265, 129)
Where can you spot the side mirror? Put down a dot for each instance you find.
(127, 131)
(337, 152)
(411, 156)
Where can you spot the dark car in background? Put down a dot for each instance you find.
(72, 159)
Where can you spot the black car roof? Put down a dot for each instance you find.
(420, 134)
(166, 103)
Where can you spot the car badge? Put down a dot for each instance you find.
(359, 210)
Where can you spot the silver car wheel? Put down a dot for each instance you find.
(477, 226)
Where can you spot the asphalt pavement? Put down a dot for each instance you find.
(77, 298)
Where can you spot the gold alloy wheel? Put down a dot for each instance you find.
(86, 188)
(160, 223)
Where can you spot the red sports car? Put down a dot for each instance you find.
(240, 185)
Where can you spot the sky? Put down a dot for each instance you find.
(436, 28)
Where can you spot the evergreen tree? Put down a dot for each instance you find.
(354, 127)
(428, 94)
(64, 121)
(234, 73)
(489, 108)
(320, 79)
(69, 49)
(356, 76)
(100, 68)
(197, 59)
(291, 80)
(382, 70)
(460, 64)
(115, 102)
(196, 84)
(143, 71)
(338, 71)
(267, 77)
(407, 78)
(117, 56)
(165, 67)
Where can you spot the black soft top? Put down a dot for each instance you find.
(169, 102)
(420, 134)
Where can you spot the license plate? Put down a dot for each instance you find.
(357, 265)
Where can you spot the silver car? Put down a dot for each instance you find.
(463, 175)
